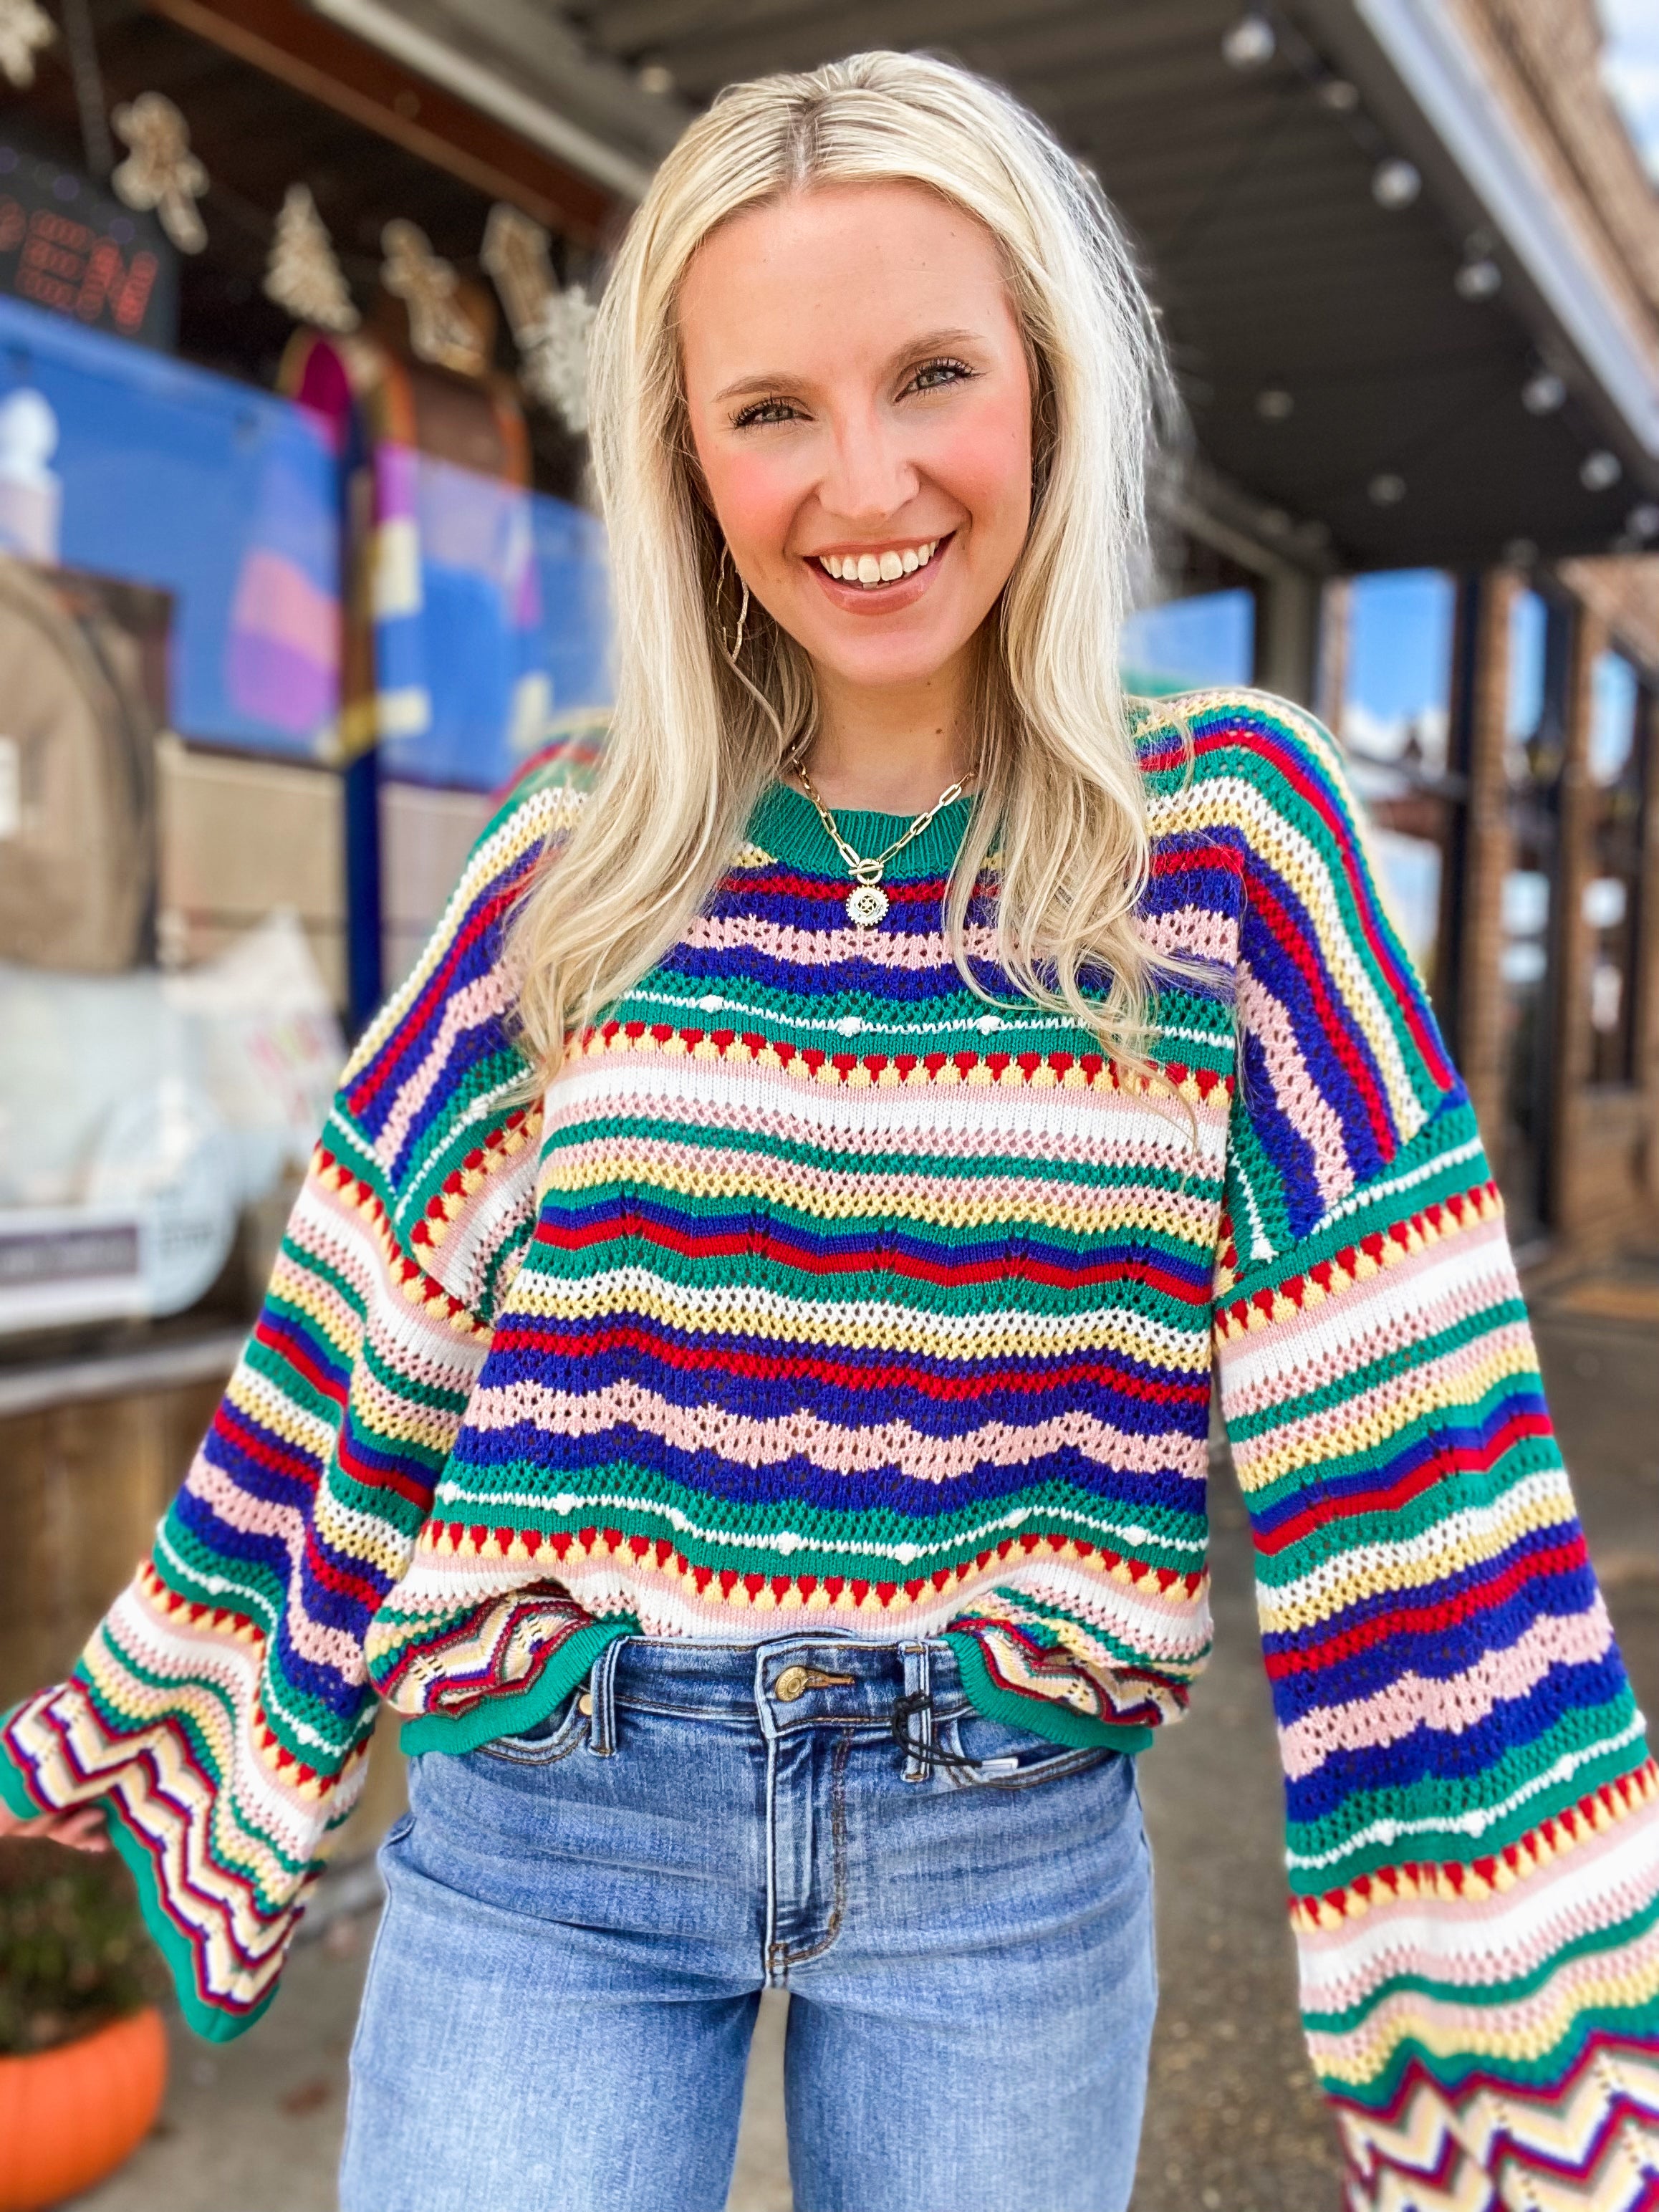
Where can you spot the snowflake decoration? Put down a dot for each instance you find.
(555, 360)
(24, 29)
(303, 275)
(550, 326)
(161, 172)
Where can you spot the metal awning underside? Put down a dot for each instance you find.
(1274, 265)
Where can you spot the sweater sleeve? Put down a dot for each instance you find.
(222, 1711)
(1472, 1812)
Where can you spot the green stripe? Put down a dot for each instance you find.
(499, 1714)
(1041, 1715)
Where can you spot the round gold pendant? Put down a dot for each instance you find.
(866, 904)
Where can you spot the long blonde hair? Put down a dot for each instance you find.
(693, 742)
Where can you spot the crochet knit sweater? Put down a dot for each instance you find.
(820, 1290)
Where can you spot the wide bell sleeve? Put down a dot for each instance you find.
(1472, 1817)
(222, 1711)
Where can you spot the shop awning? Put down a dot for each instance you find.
(1367, 410)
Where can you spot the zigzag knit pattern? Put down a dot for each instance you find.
(821, 1288)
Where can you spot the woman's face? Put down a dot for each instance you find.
(861, 407)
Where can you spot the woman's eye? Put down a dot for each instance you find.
(932, 375)
(764, 411)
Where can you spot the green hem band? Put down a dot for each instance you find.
(1041, 1715)
(496, 1715)
(211, 2023)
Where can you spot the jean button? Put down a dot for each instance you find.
(790, 1684)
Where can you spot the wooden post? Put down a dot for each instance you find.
(1570, 1025)
(1487, 845)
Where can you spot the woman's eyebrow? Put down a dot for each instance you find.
(783, 379)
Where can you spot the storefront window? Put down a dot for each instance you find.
(116, 460)
(1396, 725)
(1191, 644)
(1537, 665)
(1617, 763)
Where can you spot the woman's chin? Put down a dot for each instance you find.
(877, 663)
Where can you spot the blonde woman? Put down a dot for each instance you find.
(737, 1383)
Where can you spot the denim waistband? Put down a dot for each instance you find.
(788, 1681)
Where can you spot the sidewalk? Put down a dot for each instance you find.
(1234, 2123)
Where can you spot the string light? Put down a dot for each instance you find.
(1275, 404)
(1387, 489)
(1543, 392)
(1396, 183)
(1479, 280)
(1600, 471)
(1251, 43)
(1643, 520)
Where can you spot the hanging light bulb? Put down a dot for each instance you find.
(1250, 44)
(1396, 183)
(1600, 471)
(1478, 280)
(1543, 392)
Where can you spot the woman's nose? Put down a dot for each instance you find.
(870, 478)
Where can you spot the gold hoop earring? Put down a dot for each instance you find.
(734, 650)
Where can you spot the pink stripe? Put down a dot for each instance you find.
(746, 1442)
(1451, 1704)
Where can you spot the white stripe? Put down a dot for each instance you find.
(1480, 1818)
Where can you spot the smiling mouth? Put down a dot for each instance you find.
(877, 572)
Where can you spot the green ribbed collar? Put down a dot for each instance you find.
(785, 824)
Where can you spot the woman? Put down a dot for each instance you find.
(737, 1381)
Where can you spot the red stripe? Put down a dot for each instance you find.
(420, 1015)
(1441, 1613)
(786, 1363)
(1321, 799)
(1326, 1510)
(738, 1244)
(1335, 1019)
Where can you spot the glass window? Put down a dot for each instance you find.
(500, 630)
(1537, 671)
(1192, 644)
(1616, 765)
(118, 460)
(1396, 726)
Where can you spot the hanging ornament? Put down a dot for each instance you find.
(161, 172)
(24, 29)
(555, 366)
(550, 326)
(303, 274)
(439, 328)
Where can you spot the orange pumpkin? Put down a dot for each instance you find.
(69, 2117)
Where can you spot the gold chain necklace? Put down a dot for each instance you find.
(866, 902)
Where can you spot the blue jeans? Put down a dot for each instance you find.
(580, 1922)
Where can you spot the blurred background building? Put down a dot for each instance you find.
(296, 568)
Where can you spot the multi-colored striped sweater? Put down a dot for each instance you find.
(820, 1287)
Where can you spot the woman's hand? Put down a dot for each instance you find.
(81, 1827)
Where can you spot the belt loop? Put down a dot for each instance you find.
(602, 1688)
(918, 1683)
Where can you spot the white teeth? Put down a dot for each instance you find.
(873, 570)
